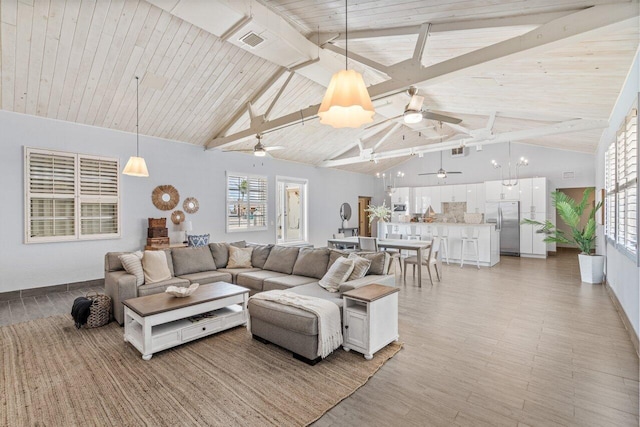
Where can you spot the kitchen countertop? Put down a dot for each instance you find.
(458, 224)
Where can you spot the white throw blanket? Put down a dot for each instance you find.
(328, 314)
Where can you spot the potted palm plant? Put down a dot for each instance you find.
(570, 211)
(382, 213)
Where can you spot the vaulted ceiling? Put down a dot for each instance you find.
(482, 62)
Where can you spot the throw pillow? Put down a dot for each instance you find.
(360, 267)
(220, 252)
(337, 274)
(334, 255)
(379, 262)
(192, 260)
(239, 257)
(132, 264)
(154, 264)
(197, 240)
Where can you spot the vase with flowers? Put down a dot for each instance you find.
(382, 214)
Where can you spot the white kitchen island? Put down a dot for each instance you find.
(488, 240)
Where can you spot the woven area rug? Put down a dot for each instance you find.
(54, 374)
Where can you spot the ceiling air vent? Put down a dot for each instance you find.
(251, 39)
(458, 152)
(568, 175)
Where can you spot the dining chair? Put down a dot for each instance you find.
(368, 244)
(396, 254)
(433, 258)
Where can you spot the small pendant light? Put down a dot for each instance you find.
(136, 166)
(347, 102)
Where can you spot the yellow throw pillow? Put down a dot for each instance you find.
(156, 269)
(239, 257)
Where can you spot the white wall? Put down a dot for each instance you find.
(193, 171)
(623, 274)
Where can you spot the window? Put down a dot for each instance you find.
(246, 202)
(621, 186)
(70, 196)
(292, 211)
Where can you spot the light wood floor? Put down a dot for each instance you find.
(522, 343)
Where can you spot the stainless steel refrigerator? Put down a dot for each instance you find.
(506, 217)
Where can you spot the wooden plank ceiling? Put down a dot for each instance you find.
(76, 60)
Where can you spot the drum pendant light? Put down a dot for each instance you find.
(347, 102)
(136, 166)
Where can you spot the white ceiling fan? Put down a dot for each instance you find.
(441, 173)
(259, 149)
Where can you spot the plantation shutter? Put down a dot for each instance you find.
(70, 196)
(246, 202)
(98, 196)
(51, 195)
(610, 190)
(258, 202)
(630, 160)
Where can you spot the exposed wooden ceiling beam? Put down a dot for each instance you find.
(555, 129)
(563, 30)
(441, 27)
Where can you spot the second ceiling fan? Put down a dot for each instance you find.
(441, 173)
(259, 149)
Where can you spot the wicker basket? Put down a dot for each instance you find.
(100, 312)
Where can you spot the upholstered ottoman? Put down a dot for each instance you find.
(289, 327)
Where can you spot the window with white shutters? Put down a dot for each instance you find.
(246, 202)
(621, 186)
(70, 196)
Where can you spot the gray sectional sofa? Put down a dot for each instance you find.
(273, 267)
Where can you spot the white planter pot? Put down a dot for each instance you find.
(382, 230)
(591, 268)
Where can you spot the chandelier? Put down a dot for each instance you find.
(511, 180)
(390, 186)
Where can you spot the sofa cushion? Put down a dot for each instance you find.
(379, 262)
(286, 282)
(220, 251)
(239, 257)
(233, 272)
(158, 287)
(132, 263)
(282, 259)
(315, 290)
(192, 260)
(312, 262)
(205, 277)
(253, 279)
(334, 255)
(155, 267)
(284, 316)
(260, 254)
(112, 261)
(360, 266)
(337, 274)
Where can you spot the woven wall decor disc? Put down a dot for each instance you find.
(191, 205)
(177, 217)
(165, 197)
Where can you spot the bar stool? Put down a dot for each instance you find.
(413, 233)
(443, 234)
(470, 235)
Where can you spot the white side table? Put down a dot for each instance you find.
(370, 318)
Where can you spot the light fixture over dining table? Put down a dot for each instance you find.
(346, 102)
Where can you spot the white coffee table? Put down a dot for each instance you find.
(157, 322)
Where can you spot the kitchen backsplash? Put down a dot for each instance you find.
(454, 211)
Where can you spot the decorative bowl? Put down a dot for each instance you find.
(181, 292)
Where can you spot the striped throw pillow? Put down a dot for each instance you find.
(132, 264)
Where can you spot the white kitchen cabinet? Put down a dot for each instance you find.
(446, 193)
(435, 199)
(533, 195)
(495, 191)
(531, 242)
(459, 193)
(475, 198)
(401, 195)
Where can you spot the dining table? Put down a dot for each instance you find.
(403, 245)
